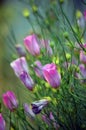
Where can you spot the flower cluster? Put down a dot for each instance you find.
(51, 68)
(48, 72)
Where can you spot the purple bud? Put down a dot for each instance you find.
(38, 69)
(51, 116)
(27, 80)
(20, 50)
(2, 122)
(10, 101)
(37, 106)
(32, 44)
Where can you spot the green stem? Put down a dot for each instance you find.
(40, 26)
(10, 121)
(31, 25)
(78, 40)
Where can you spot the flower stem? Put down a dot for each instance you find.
(10, 120)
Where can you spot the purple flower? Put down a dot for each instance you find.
(10, 101)
(27, 80)
(19, 65)
(38, 69)
(21, 70)
(37, 106)
(51, 75)
(28, 111)
(32, 44)
(2, 122)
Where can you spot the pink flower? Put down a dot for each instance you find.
(10, 101)
(21, 70)
(32, 44)
(51, 75)
(2, 122)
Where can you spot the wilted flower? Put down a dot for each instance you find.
(20, 50)
(32, 44)
(46, 44)
(2, 122)
(51, 75)
(37, 106)
(38, 69)
(83, 55)
(21, 70)
(28, 111)
(10, 101)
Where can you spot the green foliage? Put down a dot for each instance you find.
(68, 102)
